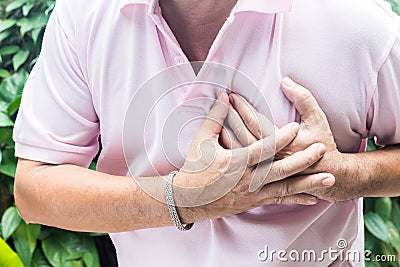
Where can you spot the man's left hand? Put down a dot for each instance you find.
(314, 127)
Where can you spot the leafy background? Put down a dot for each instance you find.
(22, 24)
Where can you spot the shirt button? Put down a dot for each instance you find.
(178, 60)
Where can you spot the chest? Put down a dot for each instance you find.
(262, 53)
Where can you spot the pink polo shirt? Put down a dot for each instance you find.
(96, 54)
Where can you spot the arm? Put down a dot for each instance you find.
(80, 199)
(368, 174)
(76, 198)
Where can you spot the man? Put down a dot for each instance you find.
(96, 56)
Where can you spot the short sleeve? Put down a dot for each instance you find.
(384, 112)
(57, 122)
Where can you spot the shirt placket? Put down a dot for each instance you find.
(174, 55)
(169, 43)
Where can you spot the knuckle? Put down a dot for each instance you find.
(285, 189)
(304, 95)
(268, 147)
(312, 183)
(311, 158)
(282, 171)
(276, 200)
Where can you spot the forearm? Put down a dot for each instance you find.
(79, 199)
(380, 173)
(367, 174)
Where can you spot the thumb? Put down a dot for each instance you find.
(212, 125)
(302, 99)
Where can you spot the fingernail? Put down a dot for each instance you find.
(288, 82)
(321, 150)
(328, 181)
(312, 201)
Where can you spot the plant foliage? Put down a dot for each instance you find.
(22, 25)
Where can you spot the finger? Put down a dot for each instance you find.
(228, 138)
(289, 166)
(239, 129)
(298, 184)
(302, 99)
(299, 199)
(266, 148)
(258, 124)
(260, 151)
(212, 125)
(285, 135)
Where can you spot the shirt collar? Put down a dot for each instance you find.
(262, 6)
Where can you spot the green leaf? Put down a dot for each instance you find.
(376, 226)
(5, 120)
(5, 136)
(62, 247)
(5, 34)
(370, 241)
(6, 24)
(10, 222)
(90, 256)
(8, 50)
(396, 214)
(30, 233)
(22, 248)
(383, 207)
(8, 257)
(50, 8)
(369, 204)
(35, 22)
(9, 163)
(96, 234)
(92, 166)
(394, 236)
(4, 73)
(11, 88)
(14, 106)
(46, 233)
(76, 263)
(20, 58)
(38, 259)
(27, 8)
(372, 264)
(25, 26)
(15, 4)
(371, 145)
(386, 249)
(35, 34)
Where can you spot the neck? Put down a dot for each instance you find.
(208, 11)
(196, 23)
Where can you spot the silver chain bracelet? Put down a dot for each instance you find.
(171, 204)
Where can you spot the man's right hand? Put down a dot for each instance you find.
(224, 182)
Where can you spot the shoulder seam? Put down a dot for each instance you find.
(373, 86)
